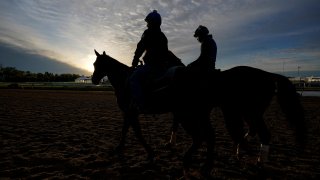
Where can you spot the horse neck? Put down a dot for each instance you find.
(118, 75)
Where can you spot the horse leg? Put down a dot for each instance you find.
(210, 140)
(265, 137)
(137, 130)
(252, 128)
(234, 125)
(187, 159)
(125, 129)
(173, 137)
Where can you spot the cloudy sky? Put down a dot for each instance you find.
(57, 35)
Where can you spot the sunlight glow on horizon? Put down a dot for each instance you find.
(90, 60)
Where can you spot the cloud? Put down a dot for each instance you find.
(70, 30)
(16, 57)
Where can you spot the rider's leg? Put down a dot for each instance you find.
(136, 85)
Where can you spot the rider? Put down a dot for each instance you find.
(155, 45)
(200, 69)
(207, 59)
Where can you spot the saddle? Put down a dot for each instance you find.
(158, 91)
(156, 87)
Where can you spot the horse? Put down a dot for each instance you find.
(255, 90)
(173, 101)
(243, 93)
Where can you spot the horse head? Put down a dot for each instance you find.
(100, 65)
(107, 66)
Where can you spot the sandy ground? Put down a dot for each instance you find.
(71, 134)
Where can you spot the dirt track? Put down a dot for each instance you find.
(70, 134)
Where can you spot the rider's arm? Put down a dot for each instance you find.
(141, 47)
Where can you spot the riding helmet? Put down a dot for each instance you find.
(153, 18)
(201, 31)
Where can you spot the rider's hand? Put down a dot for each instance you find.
(135, 62)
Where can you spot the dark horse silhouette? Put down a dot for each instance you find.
(243, 93)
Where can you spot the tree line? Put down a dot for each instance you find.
(11, 74)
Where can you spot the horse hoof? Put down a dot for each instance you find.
(192, 174)
(169, 146)
(151, 158)
(206, 170)
(150, 161)
(242, 150)
(118, 149)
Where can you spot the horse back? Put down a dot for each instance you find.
(245, 87)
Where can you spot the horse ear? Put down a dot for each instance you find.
(96, 53)
(104, 53)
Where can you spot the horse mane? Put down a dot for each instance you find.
(118, 65)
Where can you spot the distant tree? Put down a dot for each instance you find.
(40, 77)
(30, 77)
(49, 77)
(68, 77)
(11, 74)
(1, 73)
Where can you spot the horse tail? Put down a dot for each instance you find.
(290, 104)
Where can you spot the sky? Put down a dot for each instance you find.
(61, 35)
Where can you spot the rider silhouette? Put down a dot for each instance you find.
(199, 71)
(155, 45)
(207, 59)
